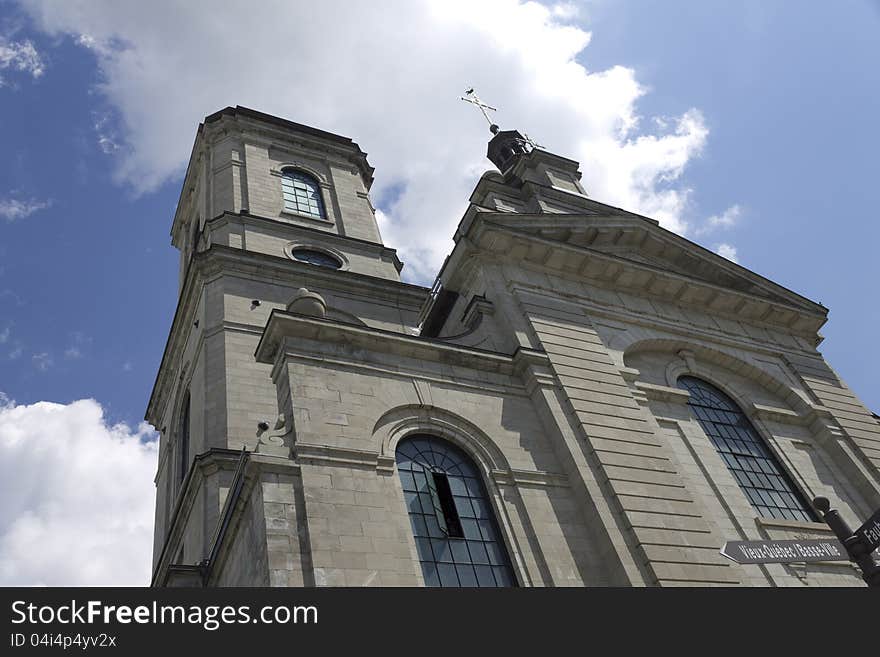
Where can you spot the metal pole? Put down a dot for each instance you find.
(855, 548)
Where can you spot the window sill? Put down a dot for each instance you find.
(287, 214)
(794, 525)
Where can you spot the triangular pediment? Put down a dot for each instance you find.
(632, 240)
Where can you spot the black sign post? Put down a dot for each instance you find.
(860, 544)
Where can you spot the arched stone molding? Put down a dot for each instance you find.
(404, 421)
(320, 176)
(412, 419)
(703, 362)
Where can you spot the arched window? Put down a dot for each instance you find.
(457, 538)
(302, 194)
(183, 438)
(761, 477)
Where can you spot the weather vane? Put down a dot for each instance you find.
(470, 96)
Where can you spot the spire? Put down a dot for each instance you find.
(506, 146)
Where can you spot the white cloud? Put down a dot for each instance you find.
(727, 251)
(78, 496)
(726, 219)
(108, 141)
(565, 10)
(13, 209)
(16, 352)
(4, 335)
(79, 341)
(42, 361)
(20, 56)
(390, 79)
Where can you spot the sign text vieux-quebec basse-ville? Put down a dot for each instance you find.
(787, 551)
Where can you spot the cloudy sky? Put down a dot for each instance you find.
(750, 127)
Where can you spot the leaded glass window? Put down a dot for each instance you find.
(302, 194)
(457, 536)
(757, 471)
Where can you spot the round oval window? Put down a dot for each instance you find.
(316, 258)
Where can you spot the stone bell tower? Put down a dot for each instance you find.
(272, 215)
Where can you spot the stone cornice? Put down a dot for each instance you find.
(283, 131)
(632, 234)
(640, 279)
(690, 331)
(283, 326)
(594, 248)
(297, 230)
(221, 260)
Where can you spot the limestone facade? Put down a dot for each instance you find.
(549, 350)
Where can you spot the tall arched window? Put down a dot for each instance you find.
(183, 438)
(302, 194)
(761, 477)
(457, 537)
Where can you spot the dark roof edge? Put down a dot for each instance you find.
(238, 110)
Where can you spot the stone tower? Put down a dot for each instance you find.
(581, 399)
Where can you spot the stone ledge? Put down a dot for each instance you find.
(776, 414)
(663, 393)
(794, 525)
(283, 325)
(529, 478)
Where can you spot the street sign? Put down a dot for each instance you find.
(869, 533)
(808, 550)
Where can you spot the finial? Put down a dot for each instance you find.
(470, 96)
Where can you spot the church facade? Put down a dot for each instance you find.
(582, 398)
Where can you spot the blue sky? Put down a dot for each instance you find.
(790, 96)
(750, 127)
(89, 281)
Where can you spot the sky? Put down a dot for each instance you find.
(749, 127)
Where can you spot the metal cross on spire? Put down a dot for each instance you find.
(470, 96)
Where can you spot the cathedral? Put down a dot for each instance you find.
(582, 398)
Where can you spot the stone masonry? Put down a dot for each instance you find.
(548, 349)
